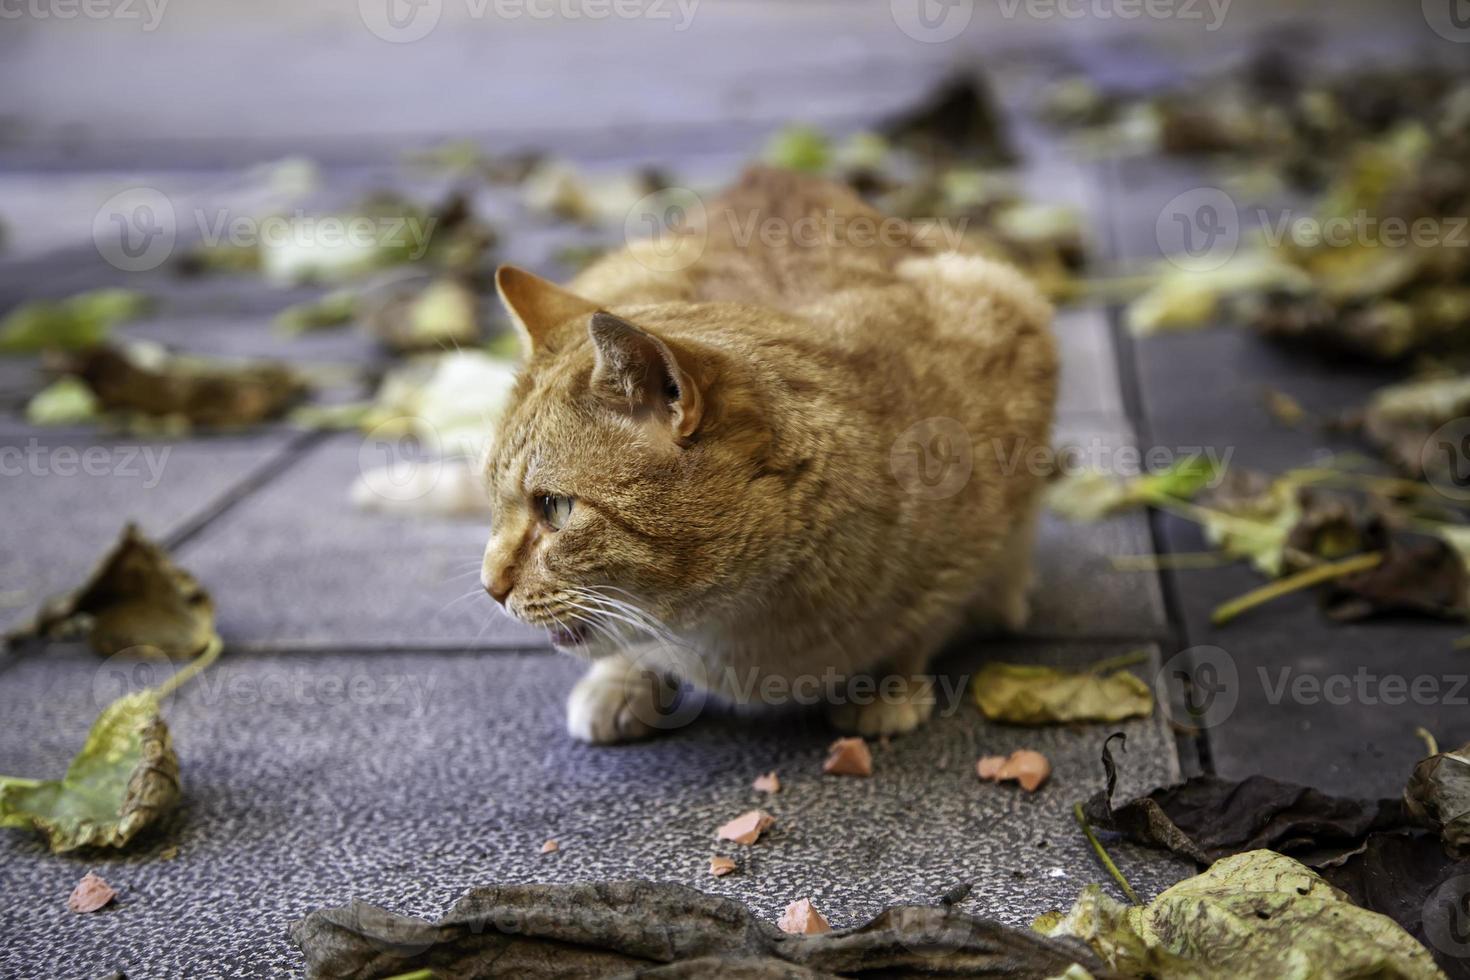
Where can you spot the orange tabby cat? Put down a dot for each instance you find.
(779, 454)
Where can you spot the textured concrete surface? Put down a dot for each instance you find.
(376, 730)
(406, 779)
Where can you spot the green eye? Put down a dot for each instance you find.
(556, 511)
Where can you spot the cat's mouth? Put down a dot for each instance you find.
(568, 636)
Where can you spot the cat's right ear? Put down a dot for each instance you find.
(542, 311)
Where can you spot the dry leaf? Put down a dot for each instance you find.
(1029, 694)
(136, 599)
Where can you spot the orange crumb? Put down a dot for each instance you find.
(769, 783)
(802, 918)
(849, 757)
(90, 894)
(720, 866)
(748, 827)
(550, 847)
(1026, 767)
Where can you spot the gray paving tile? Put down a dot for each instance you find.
(303, 568)
(442, 772)
(1089, 382)
(1080, 592)
(1327, 704)
(68, 495)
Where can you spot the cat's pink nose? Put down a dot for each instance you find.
(500, 586)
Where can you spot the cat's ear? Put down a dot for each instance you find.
(640, 372)
(539, 308)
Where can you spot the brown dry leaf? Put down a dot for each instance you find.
(147, 381)
(136, 599)
(769, 783)
(747, 828)
(801, 918)
(720, 866)
(1438, 793)
(848, 757)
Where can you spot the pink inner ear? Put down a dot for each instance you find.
(639, 370)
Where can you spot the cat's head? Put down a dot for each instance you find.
(620, 474)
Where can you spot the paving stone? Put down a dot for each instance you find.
(1089, 382)
(68, 495)
(303, 567)
(427, 774)
(1333, 705)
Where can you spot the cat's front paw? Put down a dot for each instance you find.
(886, 715)
(613, 702)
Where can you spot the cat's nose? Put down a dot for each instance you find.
(500, 585)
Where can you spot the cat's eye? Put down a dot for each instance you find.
(556, 511)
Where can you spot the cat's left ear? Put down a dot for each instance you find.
(639, 371)
(545, 314)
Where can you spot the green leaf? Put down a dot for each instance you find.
(66, 401)
(1257, 914)
(75, 323)
(1090, 495)
(125, 777)
(1028, 694)
(801, 148)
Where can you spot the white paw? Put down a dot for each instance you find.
(886, 715)
(612, 704)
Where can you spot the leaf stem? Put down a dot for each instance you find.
(1130, 659)
(1293, 583)
(207, 656)
(1102, 854)
(1430, 742)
